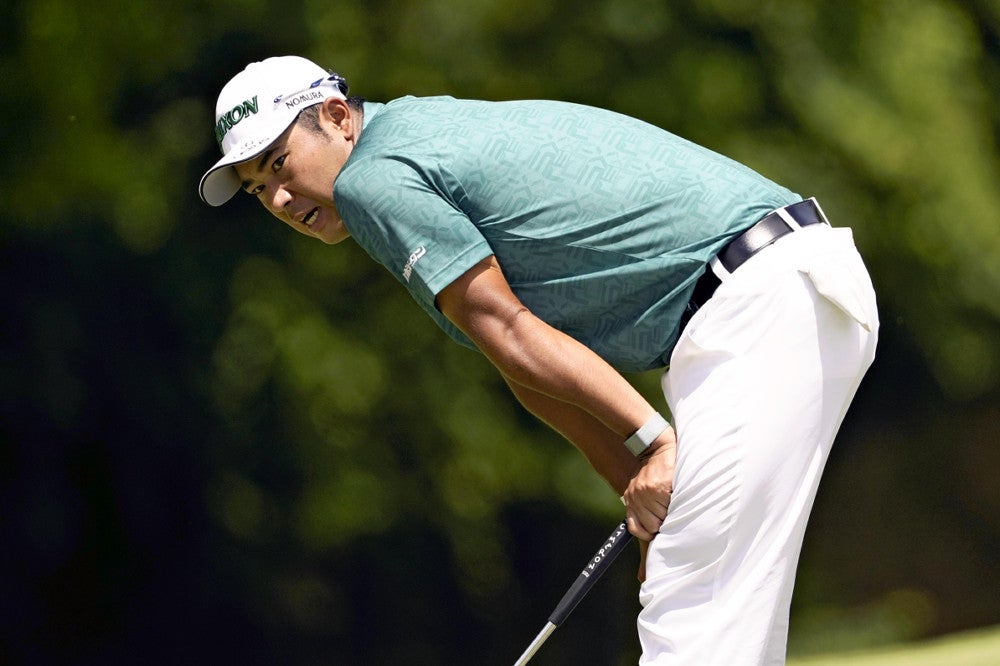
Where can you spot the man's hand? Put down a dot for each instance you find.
(647, 497)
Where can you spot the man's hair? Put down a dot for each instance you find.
(309, 116)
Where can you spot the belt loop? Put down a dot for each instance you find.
(720, 271)
(787, 218)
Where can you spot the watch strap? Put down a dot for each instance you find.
(642, 438)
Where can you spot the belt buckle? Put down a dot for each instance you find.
(787, 218)
(790, 220)
(819, 209)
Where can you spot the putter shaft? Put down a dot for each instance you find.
(596, 567)
(535, 644)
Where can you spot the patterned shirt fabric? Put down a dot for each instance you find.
(600, 222)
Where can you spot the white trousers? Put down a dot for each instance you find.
(758, 385)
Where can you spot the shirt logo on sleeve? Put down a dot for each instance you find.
(412, 261)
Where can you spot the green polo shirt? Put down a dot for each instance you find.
(601, 223)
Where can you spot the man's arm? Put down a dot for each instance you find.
(567, 385)
(602, 447)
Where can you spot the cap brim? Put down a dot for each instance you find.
(219, 184)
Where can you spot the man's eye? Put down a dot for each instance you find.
(257, 190)
(278, 163)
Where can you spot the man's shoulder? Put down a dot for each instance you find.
(424, 131)
(445, 107)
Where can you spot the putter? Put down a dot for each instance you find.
(598, 564)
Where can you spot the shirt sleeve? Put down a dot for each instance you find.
(409, 218)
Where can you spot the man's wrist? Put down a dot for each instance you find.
(642, 438)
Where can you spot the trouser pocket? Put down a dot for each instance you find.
(843, 280)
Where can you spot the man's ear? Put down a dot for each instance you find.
(337, 113)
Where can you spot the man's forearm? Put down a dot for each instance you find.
(533, 354)
(603, 448)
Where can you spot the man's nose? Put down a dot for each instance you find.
(277, 198)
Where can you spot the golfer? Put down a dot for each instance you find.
(568, 243)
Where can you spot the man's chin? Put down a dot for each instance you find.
(334, 238)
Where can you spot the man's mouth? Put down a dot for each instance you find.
(310, 217)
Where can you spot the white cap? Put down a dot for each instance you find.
(255, 108)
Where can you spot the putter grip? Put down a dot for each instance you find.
(598, 564)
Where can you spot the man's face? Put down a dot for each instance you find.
(294, 177)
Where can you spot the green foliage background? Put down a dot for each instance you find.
(221, 441)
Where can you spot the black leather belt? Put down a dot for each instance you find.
(766, 231)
